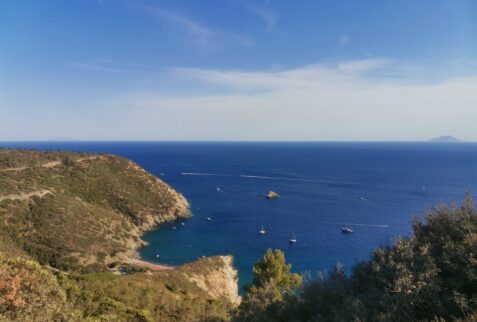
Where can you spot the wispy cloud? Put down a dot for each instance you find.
(269, 16)
(99, 67)
(202, 37)
(364, 65)
(339, 101)
(308, 75)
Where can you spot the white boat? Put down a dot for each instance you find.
(183, 224)
(157, 256)
(346, 230)
(262, 231)
(293, 239)
(174, 227)
(209, 219)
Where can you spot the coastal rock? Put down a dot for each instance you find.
(272, 195)
(216, 276)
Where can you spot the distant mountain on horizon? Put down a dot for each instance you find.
(446, 138)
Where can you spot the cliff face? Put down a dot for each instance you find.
(216, 276)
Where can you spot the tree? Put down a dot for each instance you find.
(273, 284)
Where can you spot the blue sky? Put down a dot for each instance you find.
(237, 70)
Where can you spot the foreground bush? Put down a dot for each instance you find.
(29, 293)
(430, 276)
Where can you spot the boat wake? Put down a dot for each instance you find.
(206, 174)
(277, 178)
(351, 224)
(249, 176)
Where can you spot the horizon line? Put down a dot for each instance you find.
(233, 141)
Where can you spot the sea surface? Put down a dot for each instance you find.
(374, 188)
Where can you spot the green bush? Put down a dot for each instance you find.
(430, 276)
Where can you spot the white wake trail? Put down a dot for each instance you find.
(358, 224)
(205, 174)
(248, 176)
(276, 178)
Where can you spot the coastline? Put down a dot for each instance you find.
(180, 210)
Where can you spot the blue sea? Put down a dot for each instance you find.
(374, 188)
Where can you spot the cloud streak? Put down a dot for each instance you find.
(305, 76)
(267, 15)
(354, 100)
(340, 100)
(98, 67)
(200, 36)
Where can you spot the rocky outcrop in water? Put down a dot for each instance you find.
(272, 195)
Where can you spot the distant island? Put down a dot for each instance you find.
(446, 139)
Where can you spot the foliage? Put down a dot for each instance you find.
(272, 285)
(30, 293)
(430, 276)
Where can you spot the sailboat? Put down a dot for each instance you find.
(262, 231)
(293, 239)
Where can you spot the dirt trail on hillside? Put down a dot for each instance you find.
(13, 169)
(151, 266)
(25, 196)
(51, 164)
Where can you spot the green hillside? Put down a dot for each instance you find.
(30, 292)
(72, 210)
(66, 217)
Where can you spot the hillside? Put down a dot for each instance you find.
(72, 210)
(66, 217)
(30, 292)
